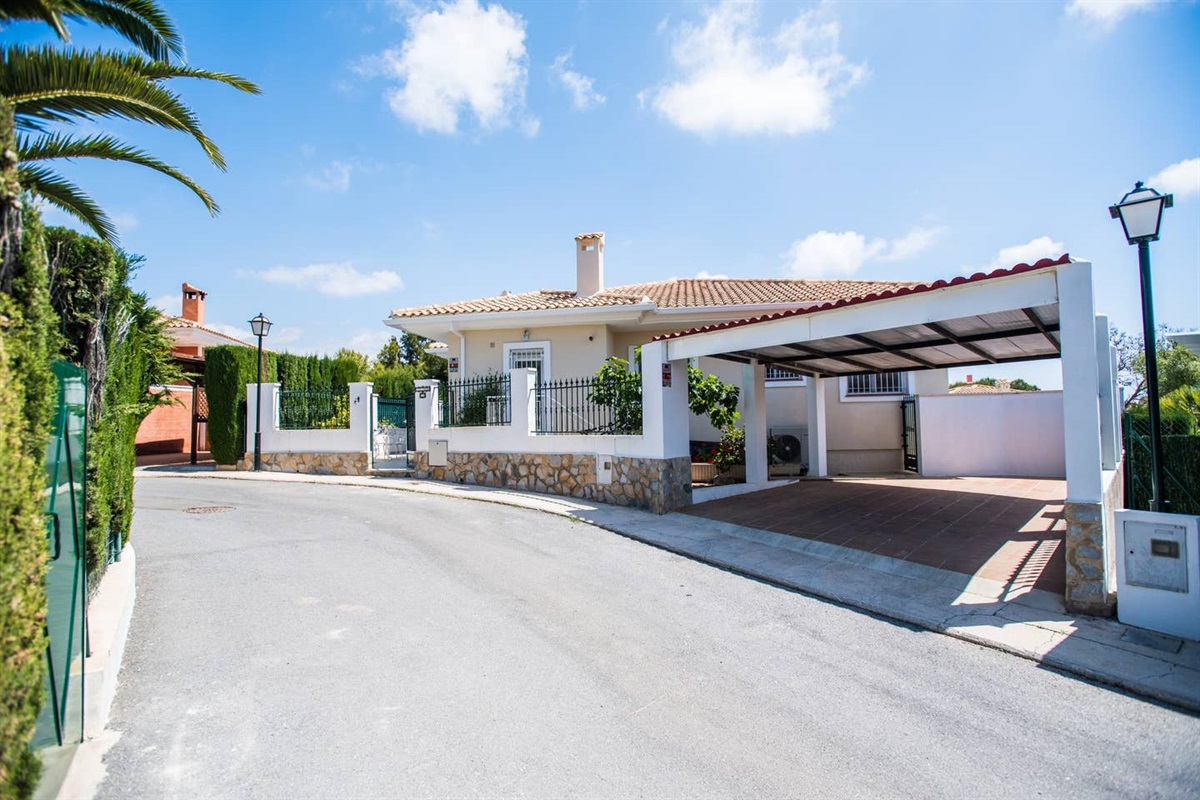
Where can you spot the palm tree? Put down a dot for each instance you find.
(46, 86)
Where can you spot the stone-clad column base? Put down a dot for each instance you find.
(654, 484)
(1084, 543)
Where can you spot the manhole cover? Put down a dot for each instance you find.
(207, 509)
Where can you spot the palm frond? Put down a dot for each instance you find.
(45, 84)
(161, 70)
(65, 195)
(142, 22)
(58, 146)
(47, 11)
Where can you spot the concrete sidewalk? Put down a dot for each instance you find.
(1031, 624)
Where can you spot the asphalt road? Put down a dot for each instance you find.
(325, 641)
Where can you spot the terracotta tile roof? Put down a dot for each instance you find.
(673, 293)
(983, 388)
(180, 322)
(902, 290)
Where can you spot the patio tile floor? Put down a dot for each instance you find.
(1005, 529)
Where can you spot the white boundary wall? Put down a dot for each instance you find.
(355, 439)
(1017, 434)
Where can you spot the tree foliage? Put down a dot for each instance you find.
(1178, 367)
(620, 388)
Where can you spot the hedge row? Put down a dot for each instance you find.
(227, 370)
(27, 394)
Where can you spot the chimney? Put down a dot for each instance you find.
(193, 304)
(589, 264)
(968, 379)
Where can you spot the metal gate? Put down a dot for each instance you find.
(908, 424)
(394, 433)
(61, 718)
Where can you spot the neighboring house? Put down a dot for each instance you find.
(1001, 387)
(1189, 339)
(570, 334)
(182, 427)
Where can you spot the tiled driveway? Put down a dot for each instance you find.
(1005, 529)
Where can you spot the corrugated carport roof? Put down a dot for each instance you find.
(997, 337)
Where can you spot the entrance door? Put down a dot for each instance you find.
(908, 423)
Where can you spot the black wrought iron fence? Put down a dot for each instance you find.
(589, 406)
(313, 409)
(477, 401)
(1181, 464)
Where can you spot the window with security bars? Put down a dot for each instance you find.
(779, 374)
(877, 383)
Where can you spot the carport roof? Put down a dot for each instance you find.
(1024, 333)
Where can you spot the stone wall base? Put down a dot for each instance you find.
(654, 484)
(1084, 542)
(311, 463)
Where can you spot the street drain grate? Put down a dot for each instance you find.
(207, 509)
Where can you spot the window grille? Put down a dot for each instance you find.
(775, 373)
(877, 383)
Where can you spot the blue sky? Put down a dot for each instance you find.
(406, 153)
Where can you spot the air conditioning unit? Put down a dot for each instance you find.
(791, 445)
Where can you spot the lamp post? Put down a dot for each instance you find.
(1140, 212)
(261, 326)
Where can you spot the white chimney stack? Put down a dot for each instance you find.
(589, 264)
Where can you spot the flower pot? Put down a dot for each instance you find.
(703, 473)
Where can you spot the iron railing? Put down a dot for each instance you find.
(1181, 465)
(312, 409)
(477, 401)
(589, 406)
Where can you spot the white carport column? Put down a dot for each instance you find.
(1110, 446)
(1084, 541)
(426, 411)
(818, 456)
(754, 412)
(665, 412)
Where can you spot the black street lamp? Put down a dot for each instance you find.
(1140, 212)
(261, 326)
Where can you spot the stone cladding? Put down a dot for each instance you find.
(653, 484)
(311, 463)
(1084, 543)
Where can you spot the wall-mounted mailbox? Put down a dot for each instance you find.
(1158, 572)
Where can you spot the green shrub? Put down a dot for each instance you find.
(22, 568)
(393, 382)
(227, 370)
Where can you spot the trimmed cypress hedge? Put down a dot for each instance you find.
(1181, 458)
(227, 370)
(27, 394)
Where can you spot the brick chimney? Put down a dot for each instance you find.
(589, 264)
(193, 304)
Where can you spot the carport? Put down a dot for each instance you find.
(1029, 312)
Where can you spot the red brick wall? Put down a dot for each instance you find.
(168, 429)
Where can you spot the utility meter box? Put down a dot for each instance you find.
(439, 452)
(1158, 572)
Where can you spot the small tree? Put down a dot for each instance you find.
(620, 388)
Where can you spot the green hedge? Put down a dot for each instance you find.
(227, 370)
(27, 395)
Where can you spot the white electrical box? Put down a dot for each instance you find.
(604, 469)
(438, 452)
(1158, 572)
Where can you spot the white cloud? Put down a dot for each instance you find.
(371, 341)
(1029, 253)
(277, 336)
(170, 304)
(1107, 13)
(1181, 180)
(583, 94)
(460, 58)
(917, 240)
(737, 79)
(706, 275)
(125, 220)
(333, 280)
(841, 254)
(333, 178)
